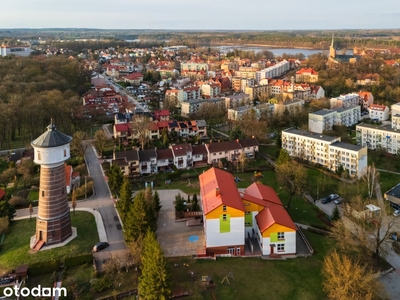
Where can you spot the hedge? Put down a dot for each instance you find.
(73, 261)
(44, 267)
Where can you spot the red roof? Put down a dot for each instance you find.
(377, 107)
(162, 124)
(307, 71)
(181, 149)
(134, 76)
(122, 127)
(274, 214)
(261, 194)
(215, 180)
(2, 193)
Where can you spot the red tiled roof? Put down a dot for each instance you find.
(274, 214)
(224, 146)
(153, 126)
(261, 194)
(122, 127)
(199, 149)
(162, 124)
(216, 179)
(2, 193)
(377, 107)
(181, 149)
(307, 71)
(164, 154)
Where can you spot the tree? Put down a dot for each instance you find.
(3, 224)
(115, 179)
(8, 176)
(371, 179)
(25, 169)
(250, 125)
(335, 214)
(164, 136)
(137, 220)
(195, 203)
(7, 210)
(236, 133)
(157, 202)
(125, 197)
(283, 157)
(100, 140)
(154, 283)
(140, 128)
(179, 203)
(293, 177)
(73, 200)
(242, 160)
(78, 145)
(348, 279)
(30, 211)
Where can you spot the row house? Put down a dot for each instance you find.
(148, 161)
(325, 150)
(188, 108)
(324, 119)
(230, 150)
(237, 100)
(230, 216)
(379, 137)
(378, 112)
(165, 159)
(366, 99)
(307, 75)
(200, 155)
(345, 100)
(182, 155)
(161, 115)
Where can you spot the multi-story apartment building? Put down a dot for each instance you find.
(245, 74)
(211, 90)
(306, 75)
(230, 65)
(345, 100)
(324, 119)
(378, 112)
(23, 50)
(237, 100)
(395, 109)
(290, 105)
(325, 150)
(379, 137)
(194, 106)
(194, 66)
(235, 114)
(257, 91)
(273, 71)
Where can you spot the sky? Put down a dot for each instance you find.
(203, 14)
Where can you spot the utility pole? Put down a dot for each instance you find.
(85, 187)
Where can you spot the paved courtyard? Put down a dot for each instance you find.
(175, 238)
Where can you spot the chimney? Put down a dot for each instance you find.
(237, 140)
(217, 192)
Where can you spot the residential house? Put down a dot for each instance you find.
(128, 161)
(316, 92)
(378, 112)
(161, 115)
(307, 75)
(182, 154)
(165, 159)
(368, 79)
(123, 131)
(250, 146)
(345, 100)
(325, 150)
(134, 78)
(199, 154)
(324, 119)
(367, 99)
(229, 150)
(148, 161)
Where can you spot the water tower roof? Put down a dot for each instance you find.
(51, 138)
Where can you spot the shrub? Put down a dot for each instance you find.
(78, 260)
(322, 227)
(18, 201)
(80, 192)
(321, 232)
(101, 284)
(45, 267)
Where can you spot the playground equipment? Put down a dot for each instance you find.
(258, 174)
(192, 275)
(226, 278)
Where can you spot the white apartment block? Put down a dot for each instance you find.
(379, 137)
(324, 119)
(194, 67)
(194, 106)
(237, 100)
(325, 150)
(378, 112)
(395, 111)
(15, 50)
(235, 114)
(345, 100)
(273, 71)
(290, 105)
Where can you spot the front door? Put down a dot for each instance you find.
(231, 251)
(272, 249)
(238, 251)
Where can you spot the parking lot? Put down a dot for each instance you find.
(175, 238)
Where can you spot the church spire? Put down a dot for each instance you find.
(332, 40)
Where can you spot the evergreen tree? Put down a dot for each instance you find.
(195, 204)
(115, 178)
(154, 283)
(7, 210)
(157, 202)
(335, 214)
(283, 157)
(125, 197)
(137, 220)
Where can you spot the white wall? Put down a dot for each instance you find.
(362, 166)
(290, 244)
(51, 156)
(216, 239)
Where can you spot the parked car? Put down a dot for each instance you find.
(396, 213)
(338, 201)
(326, 200)
(393, 236)
(100, 246)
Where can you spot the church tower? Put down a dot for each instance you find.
(51, 150)
(332, 51)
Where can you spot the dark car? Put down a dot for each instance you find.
(100, 246)
(326, 200)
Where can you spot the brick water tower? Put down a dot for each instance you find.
(53, 223)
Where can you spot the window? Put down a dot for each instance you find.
(224, 208)
(281, 235)
(281, 247)
(248, 219)
(42, 193)
(39, 156)
(224, 218)
(65, 152)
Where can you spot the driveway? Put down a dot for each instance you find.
(175, 238)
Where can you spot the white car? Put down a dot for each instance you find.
(396, 213)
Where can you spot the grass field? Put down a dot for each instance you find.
(255, 278)
(15, 250)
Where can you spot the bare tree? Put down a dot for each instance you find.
(100, 140)
(371, 178)
(30, 211)
(140, 127)
(78, 144)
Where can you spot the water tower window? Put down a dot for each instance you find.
(42, 193)
(65, 152)
(39, 156)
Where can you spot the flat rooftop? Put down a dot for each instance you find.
(310, 134)
(378, 127)
(347, 146)
(394, 191)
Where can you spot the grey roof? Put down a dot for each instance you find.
(394, 191)
(51, 138)
(201, 123)
(129, 155)
(147, 155)
(377, 127)
(310, 134)
(347, 146)
(342, 109)
(322, 112)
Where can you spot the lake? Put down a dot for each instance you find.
(275, 51)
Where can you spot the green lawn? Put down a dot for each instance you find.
(272, 150)
(321, 185)
(383, 160)
(255, 278)
(16, 250)
(388, 180)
